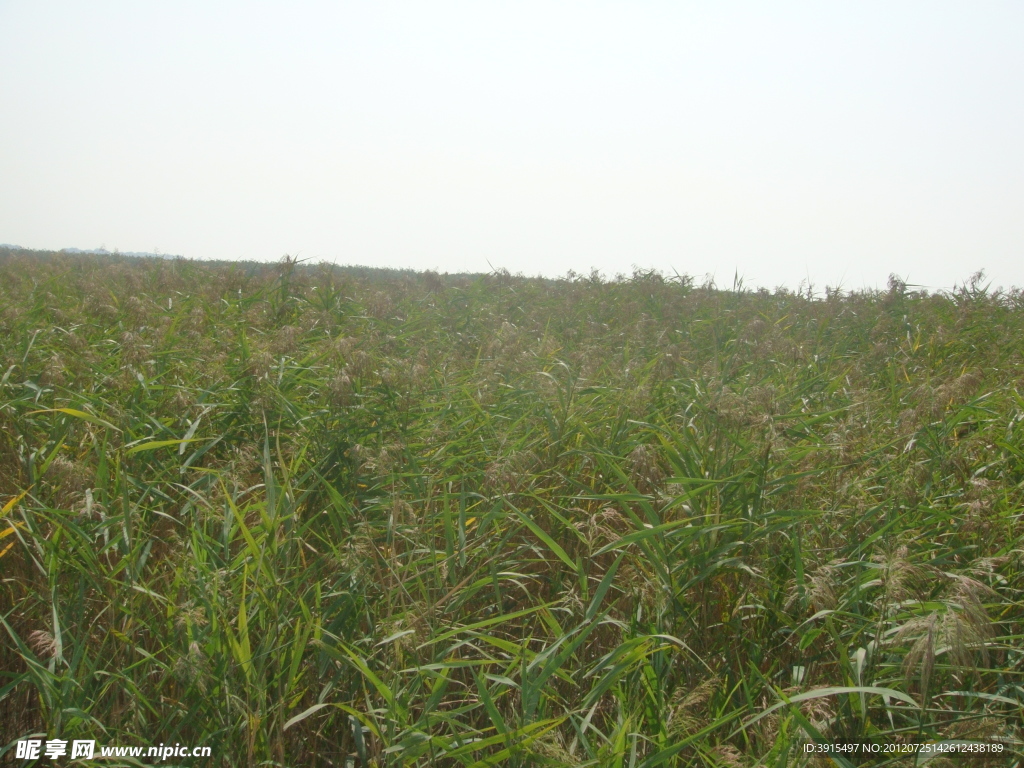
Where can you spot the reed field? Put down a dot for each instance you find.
(320, 516)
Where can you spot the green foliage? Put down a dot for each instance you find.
(316, 516)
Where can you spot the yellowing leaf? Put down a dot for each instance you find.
(10, 504)
(79, 415)
(152, 445)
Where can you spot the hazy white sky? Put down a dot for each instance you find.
(836, 141)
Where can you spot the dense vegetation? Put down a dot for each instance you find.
(316, 516)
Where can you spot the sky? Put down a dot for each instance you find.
(835, 143)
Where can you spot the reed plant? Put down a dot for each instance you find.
(308, 515)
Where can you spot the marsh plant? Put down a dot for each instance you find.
(308, 515)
